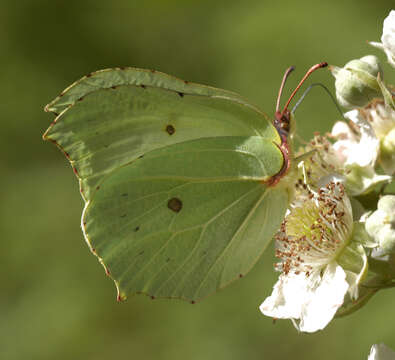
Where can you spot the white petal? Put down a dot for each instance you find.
(388, 37)
(344, 150)
(313, 300)
(324, 300)
(381, 352)
(380, 225)
(364, 152)
(376, 45)
(364, 179)
(288, 297)
(333, 177)
(342, 131)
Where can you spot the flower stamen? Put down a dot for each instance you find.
(315, 231)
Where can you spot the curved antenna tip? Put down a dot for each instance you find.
(312, 69)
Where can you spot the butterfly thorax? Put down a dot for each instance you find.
(282, 123)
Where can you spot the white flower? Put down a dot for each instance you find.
(351, 159)
(357, 148)
(380, 117)
(380, 225)
(381, 352)
(388, 38)
(313, 238)
(382, 120)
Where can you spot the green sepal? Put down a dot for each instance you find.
(388, 99)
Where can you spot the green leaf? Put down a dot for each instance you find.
(174, 176)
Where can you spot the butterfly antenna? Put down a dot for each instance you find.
(308, 90)
(285, 77)
(311, 70)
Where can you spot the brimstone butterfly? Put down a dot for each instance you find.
(181, 182)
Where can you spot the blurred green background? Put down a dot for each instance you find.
(56, 302)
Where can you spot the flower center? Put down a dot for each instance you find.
(315, 231)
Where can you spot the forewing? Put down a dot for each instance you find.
(184, 229)
(109, 128)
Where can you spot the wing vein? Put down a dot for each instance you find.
(250, 213)
(199, 240)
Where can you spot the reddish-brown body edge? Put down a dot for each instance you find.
(281, 123)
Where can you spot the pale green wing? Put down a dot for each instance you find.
(187, 219)
(108, 78)
(108, 128)
(173, 175)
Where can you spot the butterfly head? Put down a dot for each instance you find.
(283, 120)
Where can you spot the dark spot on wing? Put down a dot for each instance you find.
(137, 228)
(193, 302)
(142, 86)
(180, 93)
(124, 194)
(170, 129)
(168, 259)
(89, 75)
(97, 187)
(186, 82)
(81, 98)
(114, 87)
(174, 204)
(141, 156)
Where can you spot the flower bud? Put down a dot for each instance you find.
(356, 83)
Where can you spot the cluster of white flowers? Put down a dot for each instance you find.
(343, 215)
